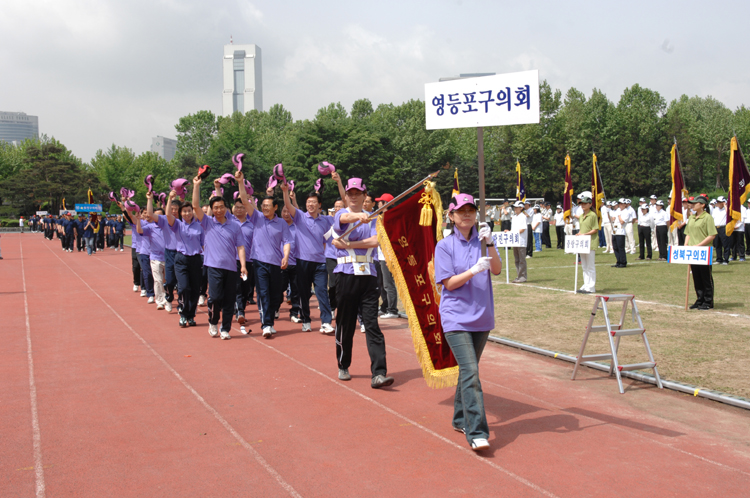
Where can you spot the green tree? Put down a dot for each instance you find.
(195, 132)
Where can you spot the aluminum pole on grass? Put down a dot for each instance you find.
(480, 154)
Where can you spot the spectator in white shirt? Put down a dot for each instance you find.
(629, 236)
(607, 227)
(661, 220)
(620, 219)
(560, 227)
(644, 231)
(536, 228)
(529, 212)
(518, 224)
(722, 243)
(738, 251)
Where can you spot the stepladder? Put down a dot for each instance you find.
(614, 333)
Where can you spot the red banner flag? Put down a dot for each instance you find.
(739, 185)
(568, 192)
(597, 191)
(678, 190)
(408, 242)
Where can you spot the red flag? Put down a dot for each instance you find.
(739, 185)
(568, 192)
(409, 250)
(597, 191)
(678, 190)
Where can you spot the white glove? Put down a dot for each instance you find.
(485, 233)
(482, 265)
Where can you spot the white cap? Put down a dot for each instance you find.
(518, 204)
(721, 198)
(660, 203)
(653, 197)
(628, 201)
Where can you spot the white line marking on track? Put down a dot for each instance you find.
(258, 457)
(36, 431)
(412, 422)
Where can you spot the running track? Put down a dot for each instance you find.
(101, 395)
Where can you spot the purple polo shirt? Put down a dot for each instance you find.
(360, 233)
(144, 241)
(269, 238)
(310, 236)
(469, 308)
(134, 238)
(154, 234)
(189, 237)
(293, 251)
(247, 232)
(170, 242)
(222, 241)
(330, 251)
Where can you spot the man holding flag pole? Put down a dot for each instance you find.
(567, 195)
(739, 187)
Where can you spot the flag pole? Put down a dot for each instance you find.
(480, 153)
(687, 287)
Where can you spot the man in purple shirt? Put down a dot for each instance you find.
(223, 240)
(357, 286)
(311, 229)
(244, 286)
(158, 232)
(289, 274)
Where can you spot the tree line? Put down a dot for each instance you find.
(390, 149)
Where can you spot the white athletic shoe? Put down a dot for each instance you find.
(225, 335)
(135, 288)
(143, 293)
(326, 329)
(306, 327)
(201, 301)
(389, 315)
(273, 330)
(276, 315)
(296, 319)
(213, 330)
(479, 444)
(266, 332)
(362, 328)
(243, 330)
(168, 306)
(150, 300)
(159, 306)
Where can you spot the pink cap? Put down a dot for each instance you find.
(326, 168)
(355, 183)
(461, 200)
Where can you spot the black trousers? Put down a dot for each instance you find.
(188, 270)
(747, 241)
(560, 236)
(722, 244)
(332, 278)
(137, 280)
(505, 225)
(289, 283)
(618, 243)
(355, 291)
(204, 279)
(222, 294)
(662, 234)
(739, 245)
(69, 241)
(529, 241)
(681, 236)
(545, 235)
(79, 242)
(644, 240)
(244, 288)
(703, 281)
(268, 284)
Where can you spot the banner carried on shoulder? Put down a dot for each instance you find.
(89, 208)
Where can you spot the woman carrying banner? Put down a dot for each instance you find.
(589, 225)
(467, 311)
(701, 231)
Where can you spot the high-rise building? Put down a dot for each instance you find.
(243, 83)
(165, 147)
(18, 126)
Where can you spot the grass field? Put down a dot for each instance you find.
(709, 349)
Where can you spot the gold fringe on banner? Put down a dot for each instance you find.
(436, 379)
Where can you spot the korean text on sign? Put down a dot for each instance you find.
(507, 239)
(502, 99)
(578, 244)
(691, 255)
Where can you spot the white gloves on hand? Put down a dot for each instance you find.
(485, 233)
(482, 265)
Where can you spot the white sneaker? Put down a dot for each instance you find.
(143, 293)
(135, 288)
(168, 306)
(243, 330)
(150, 300)
(296, 319)
(273, 330)
(159, 306)
(213, 330)
(267, 332)
(479, 444)
(326, 329)
(306, 327)
(201, 301)
(362, 328)
(225, 335)
(389, 315)
(276, 315)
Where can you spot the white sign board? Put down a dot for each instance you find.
(507, 239)
(578, 244)
(41, 213)
(691, 255)
(503, 99)
(67, 211)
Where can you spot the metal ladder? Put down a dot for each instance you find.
(600, 302)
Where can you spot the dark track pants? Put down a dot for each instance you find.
(244, 288)
(170, 278)
(355, 291)
(311, 274)
(147, 277)
(662, 234)
(137, 279)
(222, 293)
(703, 281)
(289, 283)
(188, 271)
(560, 236)
(332, 278)
(268, 286)
(644, 240)
(618, 243)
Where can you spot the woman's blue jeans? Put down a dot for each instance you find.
(538, 242)
(89, 244)
(468, 406)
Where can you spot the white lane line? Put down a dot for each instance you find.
(36, 431)
(258, 457)
(410, 421)
(614, 426)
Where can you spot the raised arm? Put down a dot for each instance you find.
(292, 208)
(342, 191)
(150, 207)
(249, 206)
(197, 211)
(170, 218)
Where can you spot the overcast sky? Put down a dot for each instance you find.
(104, 72)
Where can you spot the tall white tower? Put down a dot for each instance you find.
(243, 82)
